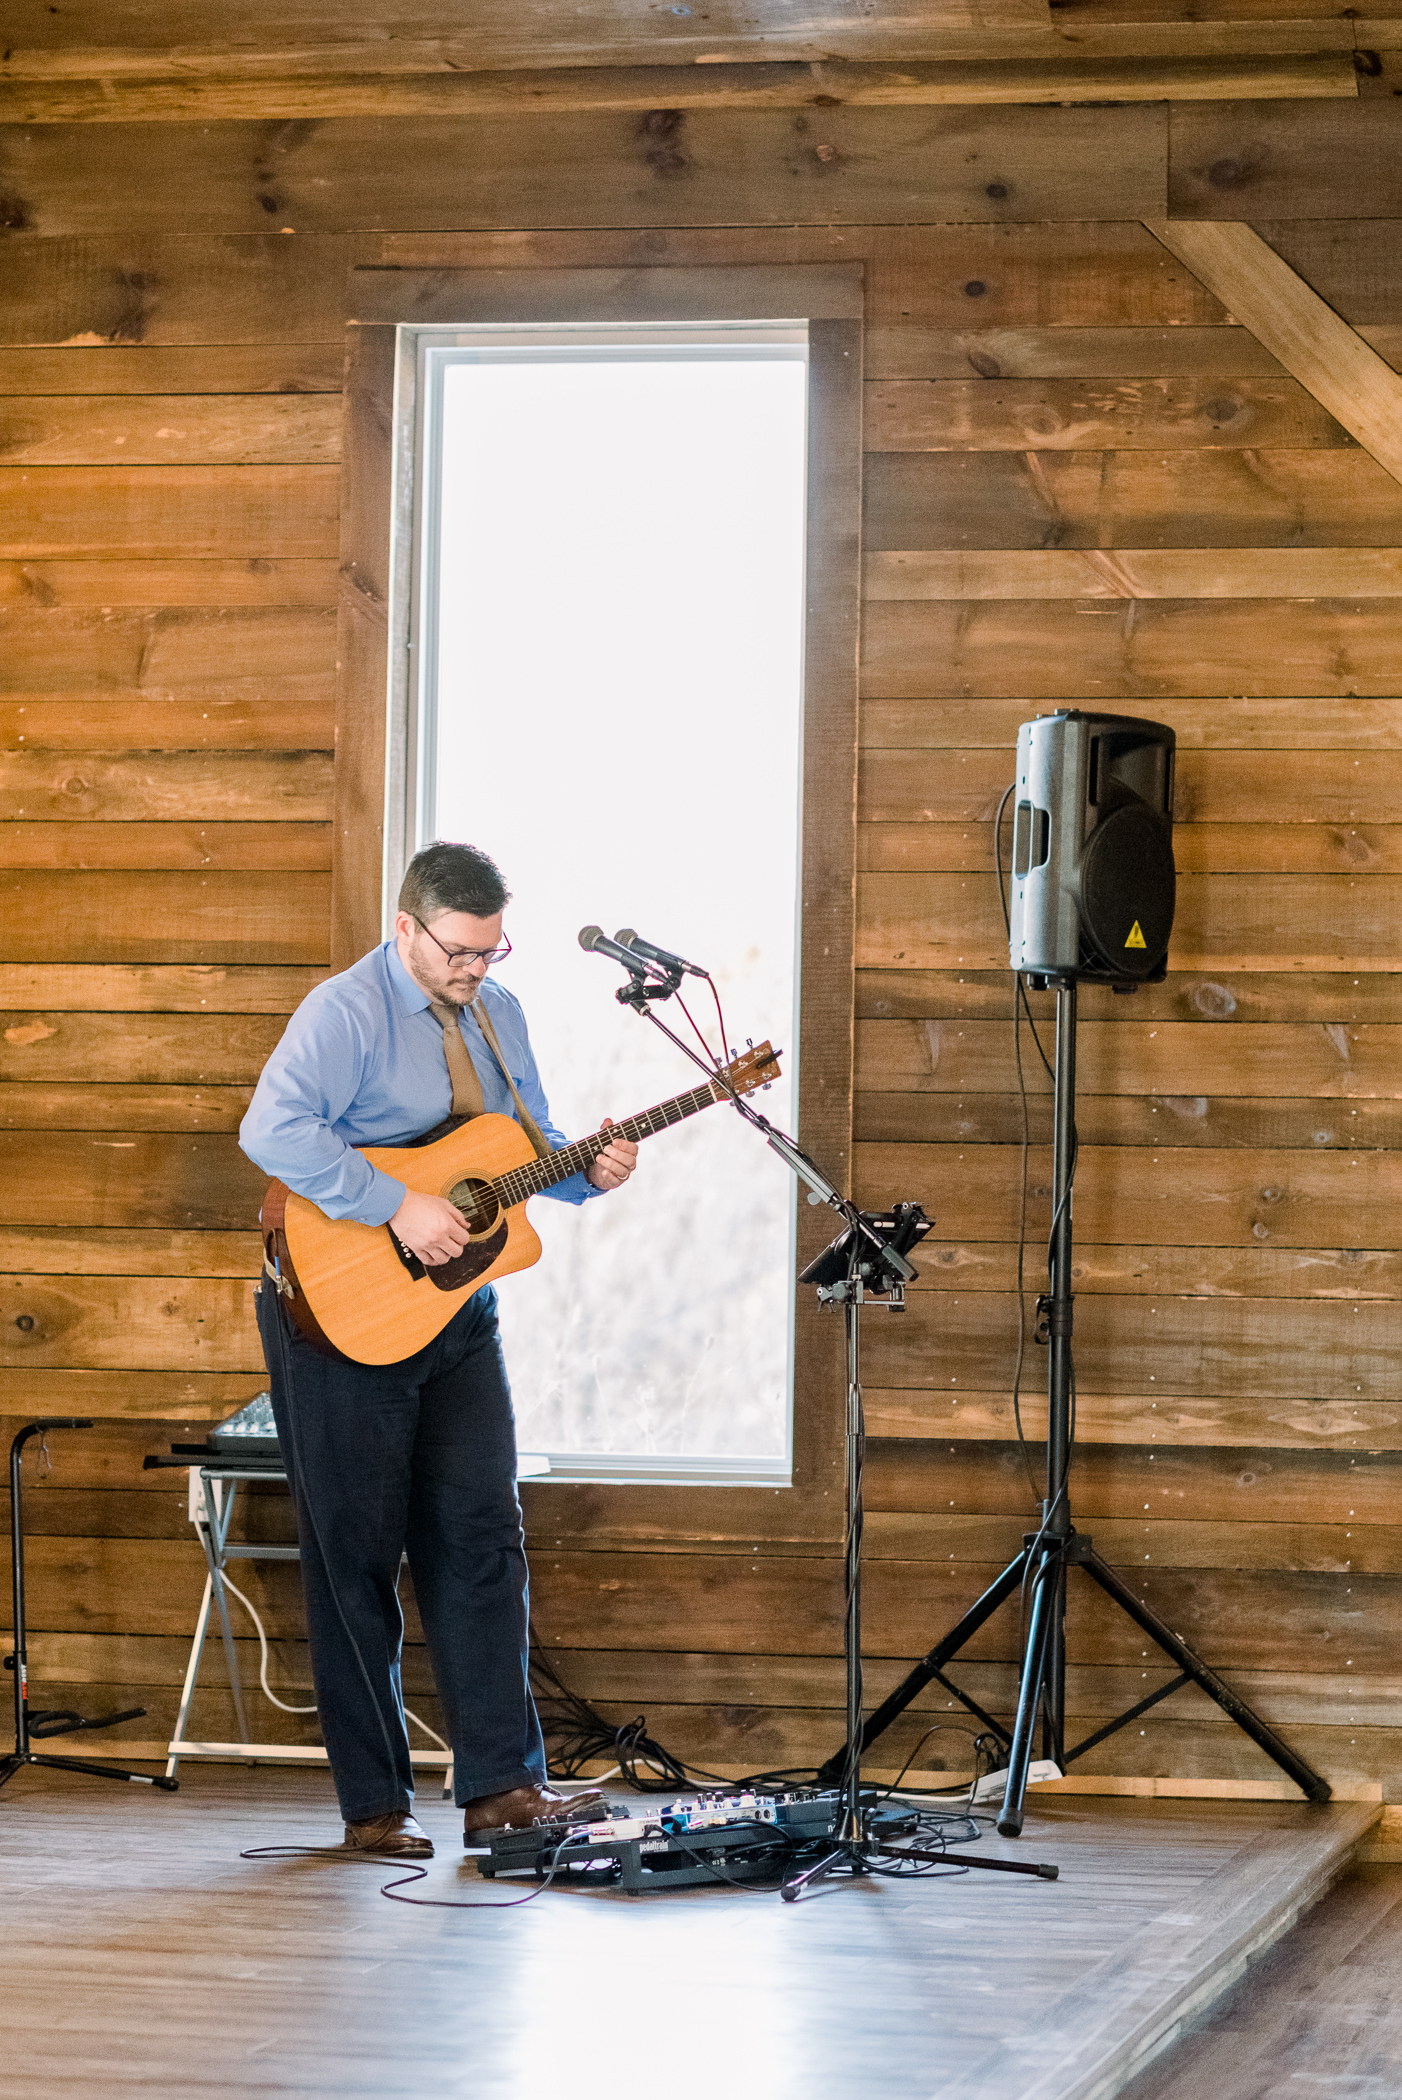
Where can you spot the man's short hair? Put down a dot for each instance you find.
(447, 876)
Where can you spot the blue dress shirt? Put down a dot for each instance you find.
(361, 1063)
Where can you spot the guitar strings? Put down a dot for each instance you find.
(533, 1176)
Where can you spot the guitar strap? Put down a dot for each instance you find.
(277, 1261)
(527, 1121)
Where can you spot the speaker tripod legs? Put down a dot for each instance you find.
(1310, 1783)
(1039, 1690)
(1044, 1620)
(1048, 1554)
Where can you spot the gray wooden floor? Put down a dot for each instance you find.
(1319, 2017)
(142, 1953)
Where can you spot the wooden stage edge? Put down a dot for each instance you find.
(151, 1957)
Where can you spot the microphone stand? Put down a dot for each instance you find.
(865, 1265)
(637, 992)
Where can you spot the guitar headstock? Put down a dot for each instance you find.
(756, 1068)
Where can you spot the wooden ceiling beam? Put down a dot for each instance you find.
(964, 82)
(1262, 292)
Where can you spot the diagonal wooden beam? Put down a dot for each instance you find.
(1315, 345)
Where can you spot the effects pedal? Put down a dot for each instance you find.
(686, 1843)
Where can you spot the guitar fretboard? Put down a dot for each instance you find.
(538, 1174)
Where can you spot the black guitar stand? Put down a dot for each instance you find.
(38, 1727)
(1040, 1568)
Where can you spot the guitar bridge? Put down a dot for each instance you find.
(411, 1261)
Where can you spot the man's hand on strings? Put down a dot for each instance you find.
(429, 1226)
(614, 1164)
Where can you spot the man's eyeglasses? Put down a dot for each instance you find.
(454, 956)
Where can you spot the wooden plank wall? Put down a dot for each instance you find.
(1084, 484)
(167, 603)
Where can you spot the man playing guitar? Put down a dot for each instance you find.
(417, 1455)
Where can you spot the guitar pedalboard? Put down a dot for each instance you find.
(687, 1843)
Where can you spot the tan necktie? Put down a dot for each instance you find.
(467, 1087)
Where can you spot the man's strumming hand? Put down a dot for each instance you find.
(429, 1226)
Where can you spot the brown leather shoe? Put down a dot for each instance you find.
(525, 1805)
(395, 1836)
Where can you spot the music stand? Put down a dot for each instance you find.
(42, 1726)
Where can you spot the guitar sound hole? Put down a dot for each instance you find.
(479, 1204)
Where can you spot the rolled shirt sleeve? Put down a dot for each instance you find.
(308, 1084)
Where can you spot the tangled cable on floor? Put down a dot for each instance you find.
(412, 1875)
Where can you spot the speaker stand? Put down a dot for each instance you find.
(1040, 1569)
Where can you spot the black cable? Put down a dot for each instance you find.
(1019, 1007)
(1021, 1246)
(933, 1828)
(1046, 1061)
(1021, 993)
(1019, 1004)
(548, 1874)
(1056, 1494)
(1055, 1491)
(1054, 1497)
(776, 1843)
(916, 1870)
(797, 1778)
(998, 856)
(415, 1874)
(577, 1734)
(938, 1728)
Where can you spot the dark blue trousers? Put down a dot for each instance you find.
(418, 1456)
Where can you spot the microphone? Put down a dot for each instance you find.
(626, 938)
(595, 941)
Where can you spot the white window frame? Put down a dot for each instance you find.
(422, 355)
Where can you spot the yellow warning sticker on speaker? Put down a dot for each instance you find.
(1136, 937)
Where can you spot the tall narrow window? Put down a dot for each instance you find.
(609, 611)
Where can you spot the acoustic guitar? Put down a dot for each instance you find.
(357, 1288)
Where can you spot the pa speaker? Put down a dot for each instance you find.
(1093, 878)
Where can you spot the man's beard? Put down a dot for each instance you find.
(458, 996)
(454, 992)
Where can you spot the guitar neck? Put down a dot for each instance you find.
(538, 1174)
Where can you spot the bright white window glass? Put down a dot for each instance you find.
(612, 622)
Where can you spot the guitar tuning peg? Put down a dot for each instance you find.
(749, 1042)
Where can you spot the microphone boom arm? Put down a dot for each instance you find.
(806, 1170)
